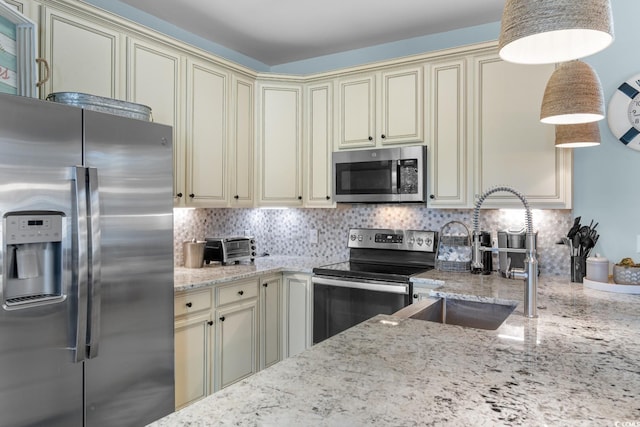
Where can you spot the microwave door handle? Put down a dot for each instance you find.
(95, 263)
(396, 182)
(79, 263)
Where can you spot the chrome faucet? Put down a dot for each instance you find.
(530, 271)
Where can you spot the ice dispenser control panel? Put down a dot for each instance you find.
(33, 252)
(33, 229)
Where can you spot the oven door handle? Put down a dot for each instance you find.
(369, 285)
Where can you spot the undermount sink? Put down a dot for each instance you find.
(472, 314)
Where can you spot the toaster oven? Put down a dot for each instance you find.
(229, 249)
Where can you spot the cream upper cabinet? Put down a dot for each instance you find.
(448, 155)
(241, 147)
(381, 108)
(318, 145)
(280, 145)
(84, 54)
(207, 143)
(512, 147)
(155, 78)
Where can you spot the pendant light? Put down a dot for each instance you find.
(573, 95)
(549, 31)
(578, 135)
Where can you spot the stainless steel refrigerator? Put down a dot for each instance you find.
(86, 247)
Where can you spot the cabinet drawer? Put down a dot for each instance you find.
(236, 292)
(190, 302)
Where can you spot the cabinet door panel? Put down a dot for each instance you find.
(192, 358)
(448, 155)
(319, 146)
(236, 343)
(513, 147)
(270, 324)
(281, 146)
(298, 329)
(83, 55)
(242, 142)
(402, 106)
(356, 112)
(206, 135)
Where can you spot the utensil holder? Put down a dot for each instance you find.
(578, 268)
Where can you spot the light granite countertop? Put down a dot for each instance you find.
(215, 273)
(578, 363)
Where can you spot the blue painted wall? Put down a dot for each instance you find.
(606, 178)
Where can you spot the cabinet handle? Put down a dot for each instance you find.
(222, 319)
(328, 197)
(189, 304)
(383, 136)
(415, 296)
(236, 197)
(192, 195)
(432, 196)
(240, 292)
(370, 138)
(265, 285)
(179, 195)
(210, 322)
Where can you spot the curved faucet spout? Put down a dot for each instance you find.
(530, 271)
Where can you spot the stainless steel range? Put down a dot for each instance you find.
(375, 280)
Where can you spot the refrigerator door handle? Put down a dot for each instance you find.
(95, 262)
(79, 263)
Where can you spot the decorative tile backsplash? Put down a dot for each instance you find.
(286, 231)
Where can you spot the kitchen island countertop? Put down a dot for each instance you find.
(578, 363)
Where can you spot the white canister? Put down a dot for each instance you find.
(598, 269)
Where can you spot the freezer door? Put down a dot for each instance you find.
(129, 376)
(39, 382)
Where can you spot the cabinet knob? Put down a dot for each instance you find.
(192, 195)
(383, 136)
(265, 285)
(179, 195)
(328, 197)
(222, 319)
(236, 197)
(432, 196)
(415, 296)
(189, 304)
(299, 197)
(210, 322)
(370, 138)
(240, 292)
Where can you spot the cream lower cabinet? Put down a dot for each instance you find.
(381, 108)
(236, 319)
(280, 145)
(193, 339)
(298, 313)
(270, 320)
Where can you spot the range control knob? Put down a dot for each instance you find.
(353, 237)
(420, 241)
(412, 240)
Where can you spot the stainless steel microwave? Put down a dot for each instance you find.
(385, 175)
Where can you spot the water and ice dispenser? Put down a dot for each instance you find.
(32, 249)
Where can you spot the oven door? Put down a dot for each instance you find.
(339, 304)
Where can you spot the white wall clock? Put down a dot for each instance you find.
(624, 113)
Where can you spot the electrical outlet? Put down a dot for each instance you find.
(313, 236)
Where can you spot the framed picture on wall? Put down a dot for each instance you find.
(18, 47)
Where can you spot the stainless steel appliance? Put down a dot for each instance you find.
(386, 175)
(375, 280)
(86, 252)
(229, 249)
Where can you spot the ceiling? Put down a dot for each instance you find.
(281, 31)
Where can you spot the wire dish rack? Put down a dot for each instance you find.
(454, 248)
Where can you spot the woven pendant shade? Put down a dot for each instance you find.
(549, 31)
(573, 95)
(580, 135)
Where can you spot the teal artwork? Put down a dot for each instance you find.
(8, 57)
